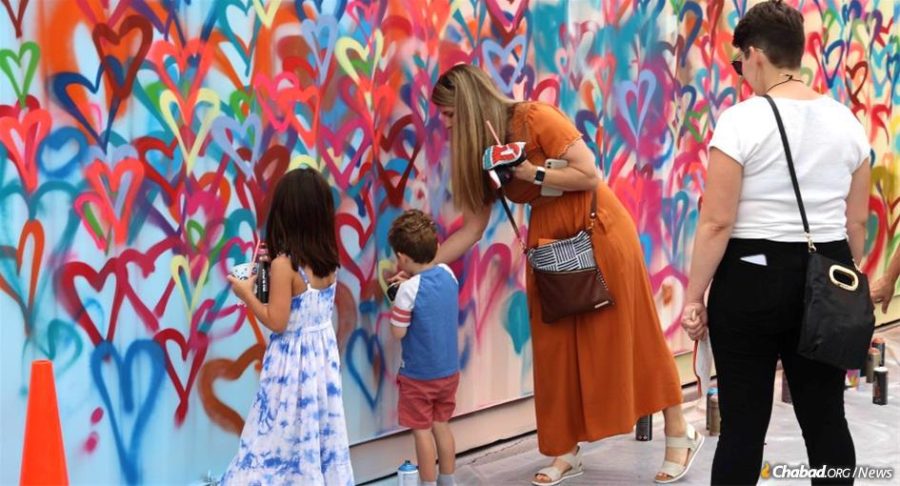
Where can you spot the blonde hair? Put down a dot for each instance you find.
(474, 99)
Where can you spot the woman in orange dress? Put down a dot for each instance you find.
(595, 374)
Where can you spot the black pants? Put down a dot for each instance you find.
(755, 313)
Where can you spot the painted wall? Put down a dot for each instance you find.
(140, 140)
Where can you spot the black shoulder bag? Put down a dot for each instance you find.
(838, 314)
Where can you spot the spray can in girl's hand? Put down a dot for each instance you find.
(407, 474)
(263, 264)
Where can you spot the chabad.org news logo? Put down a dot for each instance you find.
(802, 471)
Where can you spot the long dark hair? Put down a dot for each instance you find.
(301, 222)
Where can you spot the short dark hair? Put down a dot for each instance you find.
(301, 222)
(776, 29)
(414, 234)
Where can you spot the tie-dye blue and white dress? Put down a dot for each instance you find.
(295, 432)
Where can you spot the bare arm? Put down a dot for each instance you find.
(457, 244)
(275, 314)
(858, 213)
(579, 175)
(720, 203)
(398, 332)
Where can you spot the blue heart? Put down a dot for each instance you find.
(312, 33)
(223, 125)
(48, 153)
(129, 459)
(373, 348)
(493, 51)
(62, 81)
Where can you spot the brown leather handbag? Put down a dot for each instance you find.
(568, 279)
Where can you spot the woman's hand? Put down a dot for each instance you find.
(694, 320)
(526, 171)
(882, 292)
(243, 289)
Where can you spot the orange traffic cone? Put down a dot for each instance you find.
(43, 455)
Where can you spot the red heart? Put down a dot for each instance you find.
(272, 96)
(394, 142)
(220, 413)
(350, 262)
(170, 187)
(482, 270)
(196, 51)
(96, 13)
(123, 52)
(208, 200)
(508, 16)
(267, 172)
(114, 267)
(146, 263)
(22, 139)
(198, 344)
(114, 206)
(32, 230)
(335, 145)
(855, 83)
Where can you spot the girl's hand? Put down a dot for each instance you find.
(694, 320)
(882, 292)
(243, 289)
(525, 171)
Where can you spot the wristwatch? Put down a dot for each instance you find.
(539, 175)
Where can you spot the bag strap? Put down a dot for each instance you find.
(790, 161)
(512, 219)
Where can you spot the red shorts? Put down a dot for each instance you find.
(423, 402)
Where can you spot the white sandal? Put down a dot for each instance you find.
(557, 476)
(692, 441)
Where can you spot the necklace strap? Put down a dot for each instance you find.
(790, 77)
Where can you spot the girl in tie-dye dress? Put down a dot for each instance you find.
(295, 432)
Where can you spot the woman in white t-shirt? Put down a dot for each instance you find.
(750, 243)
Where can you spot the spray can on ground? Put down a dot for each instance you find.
(709, 394)
(880, 388)
(644, 429)
(871, 363)
(407, 474)
(878, 343)
(715, 422)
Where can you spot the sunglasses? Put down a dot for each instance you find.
(738, 66)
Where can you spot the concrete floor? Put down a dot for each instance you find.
(623, 460)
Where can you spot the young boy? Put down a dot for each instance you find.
(424, 315)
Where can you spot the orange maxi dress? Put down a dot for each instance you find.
(595, 374)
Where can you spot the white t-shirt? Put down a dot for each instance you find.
(828, 144)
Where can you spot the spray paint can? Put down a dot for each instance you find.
(715, 420)
(785, 389)
(853, 379)
(644, 429)
(871, 363)
(880, 389)
(263, 265)
(709, 394)
(407, 474)
(878, 343)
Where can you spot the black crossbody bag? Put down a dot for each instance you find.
(838, 314)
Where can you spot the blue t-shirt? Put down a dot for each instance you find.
(428, 306)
